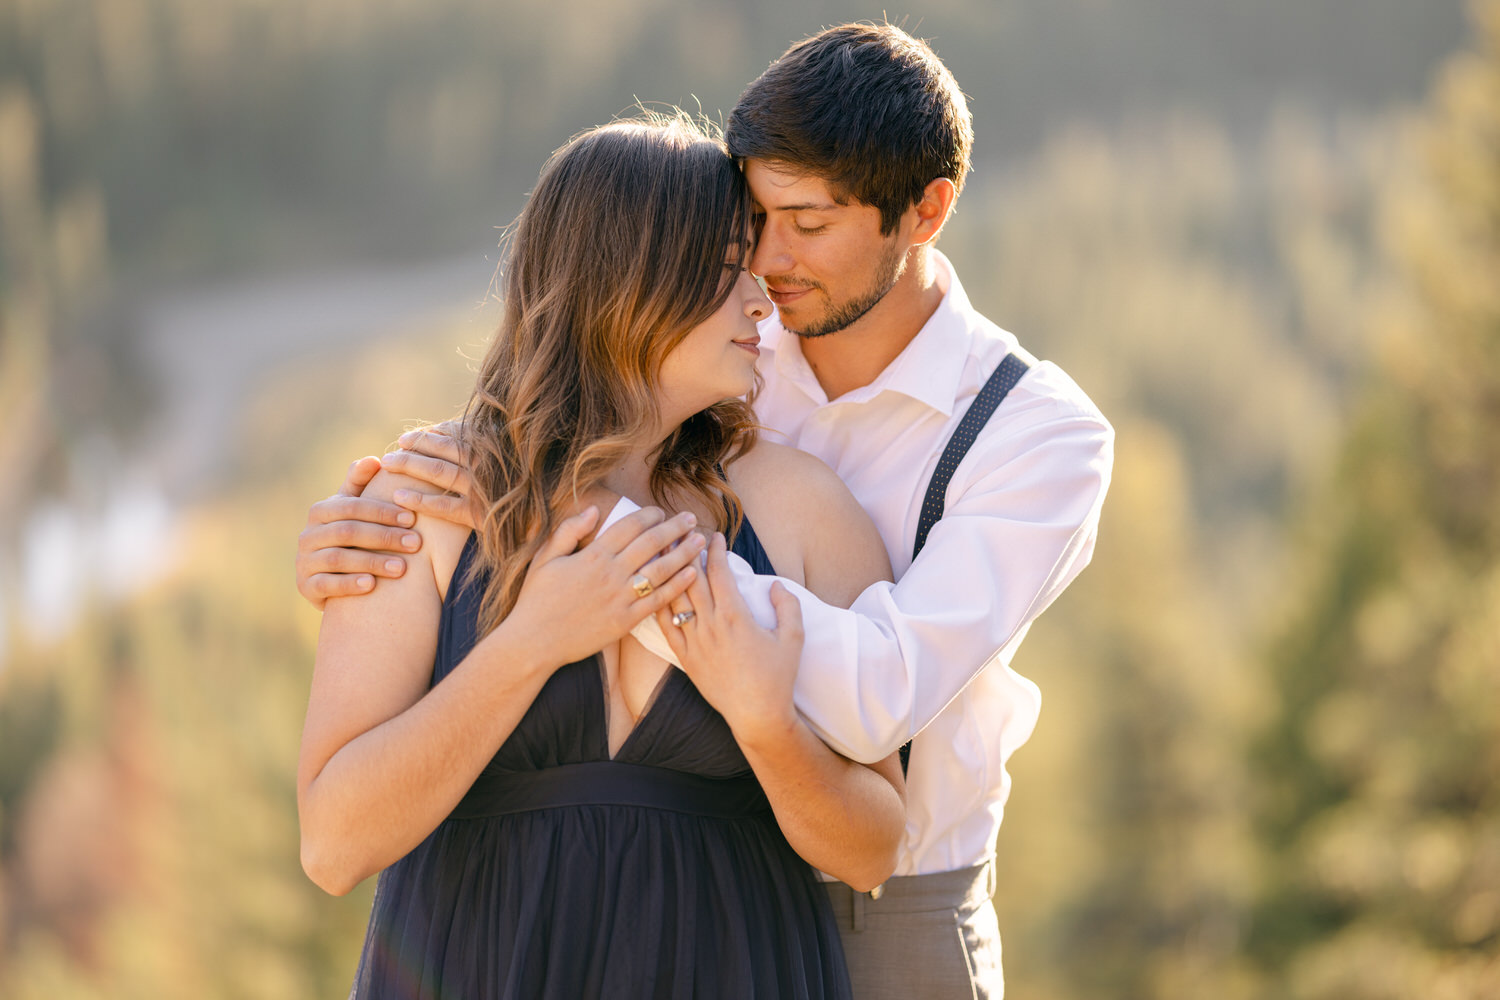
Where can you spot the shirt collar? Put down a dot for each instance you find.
(928, 369)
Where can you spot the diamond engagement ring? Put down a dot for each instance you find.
(641, 585)
(681, 618)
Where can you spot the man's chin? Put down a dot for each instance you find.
(808, 328)
(812, 331)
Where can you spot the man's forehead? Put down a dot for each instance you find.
(782, 186)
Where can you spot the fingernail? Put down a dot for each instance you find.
(389, 457)
(404, 496)
(406, 519)
(364, 582)
(411, 541)
(394, 565)
(408, 437)
(697, 541)
(691, 518)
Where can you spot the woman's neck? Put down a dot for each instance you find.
(632, 476)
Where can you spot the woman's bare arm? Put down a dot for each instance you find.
(384, 759)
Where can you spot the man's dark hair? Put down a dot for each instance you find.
(868, 108)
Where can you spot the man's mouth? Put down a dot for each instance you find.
(786, 295)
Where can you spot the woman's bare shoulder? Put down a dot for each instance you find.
(779, 466)
(800, 505)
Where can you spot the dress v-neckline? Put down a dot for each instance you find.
(641, 720)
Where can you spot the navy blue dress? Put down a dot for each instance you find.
(566, 874)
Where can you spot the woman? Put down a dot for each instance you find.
(556, 812)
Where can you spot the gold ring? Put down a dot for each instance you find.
(641, 585)
(681, 618)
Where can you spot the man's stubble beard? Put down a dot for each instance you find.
(888, 271)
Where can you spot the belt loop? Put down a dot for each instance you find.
(857, 910)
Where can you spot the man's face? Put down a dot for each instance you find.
(825, 265)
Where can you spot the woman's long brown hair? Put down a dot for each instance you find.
(618, 254)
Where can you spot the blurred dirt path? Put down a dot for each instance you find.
(208, 347)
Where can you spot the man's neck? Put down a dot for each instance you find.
(856, 355)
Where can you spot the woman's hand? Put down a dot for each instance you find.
(843, 818)
(586, 598)
(743, 670)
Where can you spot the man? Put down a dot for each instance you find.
(855, 144)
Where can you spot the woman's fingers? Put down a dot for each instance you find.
(788, 614)
(700, 598)
(677, 639)
(627, 529)
(663, 596)
(720, 580)
(660, 571)
(644, 534)
(567, 536)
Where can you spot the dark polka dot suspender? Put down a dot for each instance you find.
(1001, 382)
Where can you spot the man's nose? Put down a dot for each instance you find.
(770, 256)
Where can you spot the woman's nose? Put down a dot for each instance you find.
(757, 306)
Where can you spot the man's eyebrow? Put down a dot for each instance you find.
(806, 207)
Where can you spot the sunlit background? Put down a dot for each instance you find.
(245, 241)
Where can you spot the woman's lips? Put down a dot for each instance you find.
(750, 344)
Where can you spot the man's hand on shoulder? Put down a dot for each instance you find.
(349, 539)
(435, 456)
(339, 551)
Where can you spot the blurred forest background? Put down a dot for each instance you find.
(244, 241)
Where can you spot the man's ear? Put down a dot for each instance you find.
(932, 210)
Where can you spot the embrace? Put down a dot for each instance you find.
(756, 747)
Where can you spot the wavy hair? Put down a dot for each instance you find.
(618, 254)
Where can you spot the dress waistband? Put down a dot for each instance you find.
(612, 783)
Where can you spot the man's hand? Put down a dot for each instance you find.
(338, 553)
(434, 455)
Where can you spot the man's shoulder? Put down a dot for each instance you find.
(1045, 390)
(1050, 387)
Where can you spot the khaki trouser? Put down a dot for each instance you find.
(927, 937)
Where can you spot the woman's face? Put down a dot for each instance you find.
(716, 360)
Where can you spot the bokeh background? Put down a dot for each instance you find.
(244, 241)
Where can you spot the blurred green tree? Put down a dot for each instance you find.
(1381, 812)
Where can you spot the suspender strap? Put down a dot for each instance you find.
(995, 389)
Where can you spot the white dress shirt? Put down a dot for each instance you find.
(930, 654)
